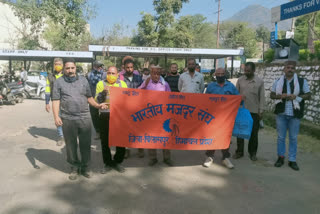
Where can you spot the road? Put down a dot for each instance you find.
(27, 139)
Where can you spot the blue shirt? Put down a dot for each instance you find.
(227, 89)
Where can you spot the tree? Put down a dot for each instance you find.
(152, 30)
(193, 32)
(241, 36)
(64, 23)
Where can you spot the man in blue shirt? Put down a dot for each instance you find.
(222, 86)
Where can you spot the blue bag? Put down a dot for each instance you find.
(243, 124)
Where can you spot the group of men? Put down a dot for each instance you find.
(71, 95)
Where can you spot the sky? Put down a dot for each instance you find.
(128, 12)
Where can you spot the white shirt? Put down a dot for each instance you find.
(188, 84)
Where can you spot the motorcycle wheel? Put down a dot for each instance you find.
(20, 99)
(12, 102)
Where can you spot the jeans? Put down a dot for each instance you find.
(291, 124)
(60, 132)
(72, 131)
(253, 141)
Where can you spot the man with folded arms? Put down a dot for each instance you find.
(289, 93)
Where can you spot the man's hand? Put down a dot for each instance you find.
(291, 97)
(283, 96)
(48, 108)
(103, 106)
(58, 121)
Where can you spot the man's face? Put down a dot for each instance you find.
(128, 68)
(146, 72)
(70, 69)
(112, 71)
(191, 65)
(248, 71)
(174, 69)
(219, 72)
(155, 74)
(289, 70)
(197, 68)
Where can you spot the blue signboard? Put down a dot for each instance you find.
(273, 39)
(298, 8)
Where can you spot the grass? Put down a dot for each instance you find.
(306, 142)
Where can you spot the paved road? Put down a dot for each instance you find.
(28, 137)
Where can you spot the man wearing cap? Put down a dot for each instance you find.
(191, 81)
(71, 95)
(154, 83)
(57, 73)
(289, 93)
(97, 74)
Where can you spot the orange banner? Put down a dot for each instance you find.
(171, 120)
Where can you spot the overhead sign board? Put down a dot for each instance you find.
(81, 56)
(294, 9)
(161, 51)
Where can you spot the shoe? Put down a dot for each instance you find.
(140, 153)
(228, 163)
(279, 162)
(119, 168)
(73, 174)
(207, 163)
(85, 172)
(106, 169)
(253, 157)
(293, 165)
(153, 162)
(237, 156)
(60, 142)
(127, 154)
(168, 162)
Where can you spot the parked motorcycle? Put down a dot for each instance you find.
(7, 95)
(36, 90)
(17, 89)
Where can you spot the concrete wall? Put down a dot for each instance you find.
(270, 72)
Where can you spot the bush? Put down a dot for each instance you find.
(269, 55)
(304, 55)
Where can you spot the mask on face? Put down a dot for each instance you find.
(221, 79)
(111, 79)
(70, 79)
(58, 68)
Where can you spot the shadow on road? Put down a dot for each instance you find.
(44, 132)
(48, 157)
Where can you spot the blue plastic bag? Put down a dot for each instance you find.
(243, 124)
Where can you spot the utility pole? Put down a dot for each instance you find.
(293, 24)
(218, 29)
(218, 23)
